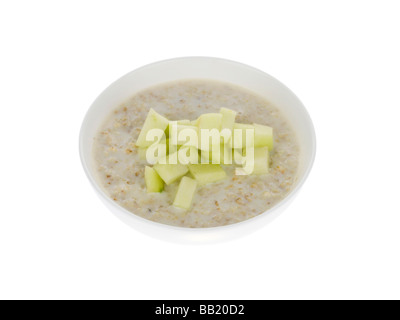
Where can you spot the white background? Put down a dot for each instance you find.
(339, 239)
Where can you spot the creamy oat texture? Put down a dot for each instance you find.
(233, 200)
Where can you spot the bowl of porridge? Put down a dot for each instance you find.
(233, 185)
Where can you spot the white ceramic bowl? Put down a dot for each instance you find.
(191, 68)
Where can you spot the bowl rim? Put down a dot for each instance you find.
(154, 224)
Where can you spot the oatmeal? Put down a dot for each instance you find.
(236, 198)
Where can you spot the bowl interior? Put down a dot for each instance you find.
(206, 68)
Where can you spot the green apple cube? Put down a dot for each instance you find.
(205, 156)
(210, 121)
(153, 121)
(184, 122)
(188, 155)
(186, 191)
(240, 135)
(263, 136)
(179, 122)
(153, 181)
(223, 157)
(228, 118)
(142, 153)
(208, 157)
(261, 161)
(238, 158)
(166, 141)
(207, 173)
(162, 151)
(171, 172)
(179, 135)
(208, 124)
(194, 122)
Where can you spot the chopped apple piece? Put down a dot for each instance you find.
(155, 152)
(170, 170)
(207, 173)
(188, 155)
(178, 122)
(166, 141)
(142, 153)
(261, 161)
(263, 136)
(228, 118)
(238, 158)
(184, 196)
(153, 121)
(240, 134)
(153, 181)
(260, 164)
(184, 122)
(210, 121)
(184, 135)
(223, 157)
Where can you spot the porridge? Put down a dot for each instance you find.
(124, 172)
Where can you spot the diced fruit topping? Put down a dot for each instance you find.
(179, 151)
(242, 134)
(156, 151)
(153, 181)
(184, 196)
(171, 172)
(224, 156)
(261, 160)
(153, 121)
(142, 153)
(254, 163)
(207, 173)
(263, 136)
(228, 118)
(184, 122)
(183, 134)
(188, 155)
(210, 121)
